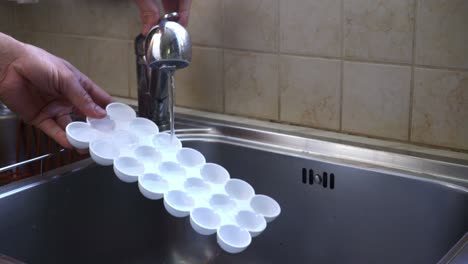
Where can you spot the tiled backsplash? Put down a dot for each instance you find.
(387, 69)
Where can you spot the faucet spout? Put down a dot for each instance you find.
(166, 49)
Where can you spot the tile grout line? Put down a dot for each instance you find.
(340, 125)
(278, 60)
(344, 59)
(87, 57)
(15, 20)
(339, 58)
(259, 51)
(413, 61)
(14, 27)
(129, 85)
(440, 68)
(223, 62)
(70, 35)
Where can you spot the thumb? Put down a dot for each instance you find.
(149, 13)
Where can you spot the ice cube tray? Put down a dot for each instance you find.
(164, 169)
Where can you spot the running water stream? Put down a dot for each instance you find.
(171, 88)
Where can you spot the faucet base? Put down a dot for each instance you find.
(164, 127)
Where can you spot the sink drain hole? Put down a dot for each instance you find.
(332, 181)
(324, 179)
(311, 177)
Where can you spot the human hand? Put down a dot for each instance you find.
(150, 13)
(44, 89)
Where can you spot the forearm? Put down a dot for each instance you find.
(10, 49)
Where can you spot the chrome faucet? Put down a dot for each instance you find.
(166, 48)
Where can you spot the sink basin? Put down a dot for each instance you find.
(375, 206)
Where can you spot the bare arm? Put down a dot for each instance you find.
(44, 89)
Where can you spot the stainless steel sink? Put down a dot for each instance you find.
(341, 203)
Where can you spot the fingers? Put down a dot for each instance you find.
(71, 88)
(101, 97)
(63, 120)
(182, 7)
(52, 74)
(53, 119)
(170, 5)
(82, 151)
(53, 130)
(184, 11)
(149, 14)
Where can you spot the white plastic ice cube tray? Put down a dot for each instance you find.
(164, 169)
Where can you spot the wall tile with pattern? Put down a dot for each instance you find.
(310, 91)
(376, 99)
(440, 108)
(251, 84)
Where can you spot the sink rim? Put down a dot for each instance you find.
(447, 171)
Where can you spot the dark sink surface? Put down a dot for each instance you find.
(89, 216)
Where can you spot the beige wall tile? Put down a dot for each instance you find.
(73, 49)
(104, 18)
(35, 17)
(441, 37)
(206, 22)
(376, 99)
(200, 85)
(379, 30)
(101, 3)
(108, 65)
(440, 108)
(135, 26)
(310, 27)
(7, 21)
(310, 91)
(251, 24)
(375, 96)
(61, 3)
(110, 21)
(251, 84)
